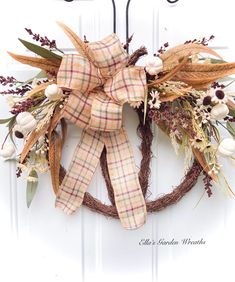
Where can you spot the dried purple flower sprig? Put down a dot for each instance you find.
(9, 81)
(204, 41)
(217, 85)
(162, 49)
(207, 180)
(21, 90)
(43, 40)
(22, 106)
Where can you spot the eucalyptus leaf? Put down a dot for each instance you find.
(40, 50)
(215, 133)
(231, 128)
(226, 79)
(11, 160)
(6, 120)
(10, 126)
(41, 74)
(217, 61)
(232, 112)
(31, 187)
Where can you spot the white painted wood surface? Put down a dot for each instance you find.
(42, 243)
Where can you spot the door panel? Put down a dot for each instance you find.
(45, 244)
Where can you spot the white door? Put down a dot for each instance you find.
(42, 243)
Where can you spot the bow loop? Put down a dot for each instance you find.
(109, 55)
(77, 72)
(128, 85)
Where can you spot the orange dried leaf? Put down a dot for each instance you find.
(202, 161)
(57, 116)
(50, 65)
(64, 130)
(79, 45)
(204, 74)
(34, 136)
(231, 104)
(172, 56)
(54, 155)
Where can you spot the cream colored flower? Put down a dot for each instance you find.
(154, 102)
(219, 111)
(8, 151)
(26, 120)
(154, 66)
(218, 96)
(227, 147)
(53, 92)
(205, 99)
(135, 104)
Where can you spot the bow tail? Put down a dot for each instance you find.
(81, 170)
(128, 195)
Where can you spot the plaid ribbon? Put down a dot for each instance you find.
(98, 91)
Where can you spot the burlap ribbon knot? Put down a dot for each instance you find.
(100, 84)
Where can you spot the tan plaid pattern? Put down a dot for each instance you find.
(129, 199)
(106, 114)
(95, 104)
(109, 55)
(128, 85)
(77, 72)
(78, 108)
(81, 170)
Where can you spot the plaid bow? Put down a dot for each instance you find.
(99, 88)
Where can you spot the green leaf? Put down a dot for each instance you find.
(217, 61)
(10, 126)
(40, 50)
(232, 112)
(41, 74)
(231, 128)
(6, 120)
(31, 187)
(215, 133)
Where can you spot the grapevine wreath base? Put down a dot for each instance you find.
(180, 90)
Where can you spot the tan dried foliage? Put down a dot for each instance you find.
(48, 65)
(202, 161)
(172, 56)
(202, 75)
(33, 137)
(81, 47)
(54, 155)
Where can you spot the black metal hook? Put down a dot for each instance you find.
(172, 1)
(127, 24)
(114, 16)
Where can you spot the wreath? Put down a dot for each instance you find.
(178, 90)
